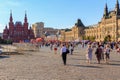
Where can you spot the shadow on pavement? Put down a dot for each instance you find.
(3, 56)
(89, 66)
(114, 64)
(115, 61)
(78, 59)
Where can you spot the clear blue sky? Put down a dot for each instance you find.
(54, 13)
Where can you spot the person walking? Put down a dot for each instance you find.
(107, 53)
(55, 48)
(102, 53)
(89, 54)
(71, 48)
(51, 46)
(63, 54)
(98, 53)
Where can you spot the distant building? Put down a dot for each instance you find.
(18, 31)
(41, 31)
(1, 35)
(108, 27)
(75, 33)
(50, 31)
(38, 29)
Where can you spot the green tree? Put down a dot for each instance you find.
(92, 38)
(107, 38)
(88, 38)
(83, 37)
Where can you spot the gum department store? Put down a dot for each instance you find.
(109, 26)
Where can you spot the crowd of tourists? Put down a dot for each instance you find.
(100, 49)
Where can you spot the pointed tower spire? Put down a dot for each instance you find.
(117, 4)
(105, 10)
(11, 19)
(25, 19)
(79, 23)
(6, 27)
(11, 24)
(117, 7)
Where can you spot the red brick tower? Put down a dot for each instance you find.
(18, 32)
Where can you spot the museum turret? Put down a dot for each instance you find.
(117, 8)
(79, 23)
(105, 11)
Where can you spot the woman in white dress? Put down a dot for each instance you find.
(107, 53)
(89, 54)
(71, 49)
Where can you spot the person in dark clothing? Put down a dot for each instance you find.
(98, 53)
(63, 54)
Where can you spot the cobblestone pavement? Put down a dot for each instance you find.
(45, 65)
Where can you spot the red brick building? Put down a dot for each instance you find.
(17, 31)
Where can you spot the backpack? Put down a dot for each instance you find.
(98, 51)
(67, 51)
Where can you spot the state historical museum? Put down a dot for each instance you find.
(17, 31)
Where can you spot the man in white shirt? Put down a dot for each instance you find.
(63, 53)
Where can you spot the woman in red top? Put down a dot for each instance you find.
(55, 48)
